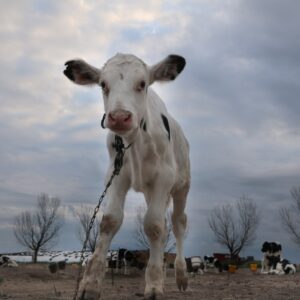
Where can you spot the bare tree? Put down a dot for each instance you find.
(39, 230)
(141, 236)
(290, 216)
(84, 215)
(234, 226)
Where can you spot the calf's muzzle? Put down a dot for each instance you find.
(120, 120)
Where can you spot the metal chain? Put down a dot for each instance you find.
(118, 163)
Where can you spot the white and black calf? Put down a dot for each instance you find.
(271, 256)
(115, 259)
(284, 267)
(211, 262)
(195, 265)
(156, 163)
(5, 261)
(124, 259)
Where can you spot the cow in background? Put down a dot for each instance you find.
(195, 265)
(210, 262)
(284, 267)
(5, 261)
(271, 256)
(124, 260)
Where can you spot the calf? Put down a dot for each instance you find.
(115, 259)
(124, 259)
(156, 164)
(5, 261)
(212, 262)
(271, 256)
(195, 265)
(137, 259)
(284, 267)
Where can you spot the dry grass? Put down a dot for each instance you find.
(36, 282)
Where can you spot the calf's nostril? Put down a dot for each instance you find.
(111, 117)
(127, 118)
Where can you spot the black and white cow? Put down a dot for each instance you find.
(136, 259)
(212, 262)
(195, 265)
(124, 259)
(113, 261)
(271, 256)
(5, 261)
(284, 267)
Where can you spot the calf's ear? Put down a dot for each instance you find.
(168, 69)
(81, 72)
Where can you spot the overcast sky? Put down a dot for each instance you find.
(237, 101)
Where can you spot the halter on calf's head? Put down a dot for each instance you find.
(124, 80)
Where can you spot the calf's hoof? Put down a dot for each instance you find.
(181, 280)
(153, 294)
(88, 295)
(88, 292)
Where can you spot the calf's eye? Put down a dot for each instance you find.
(104, 87)
(141, 86)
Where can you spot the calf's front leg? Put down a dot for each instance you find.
(179, 221)
(155, 228)
(91, 285)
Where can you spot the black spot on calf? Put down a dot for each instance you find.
(167, 126)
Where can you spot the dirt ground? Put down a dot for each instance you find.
(36, 282)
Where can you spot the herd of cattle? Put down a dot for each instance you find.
(272, 262)
(124, 260)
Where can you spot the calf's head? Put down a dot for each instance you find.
(265, 247)
(124, 80)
